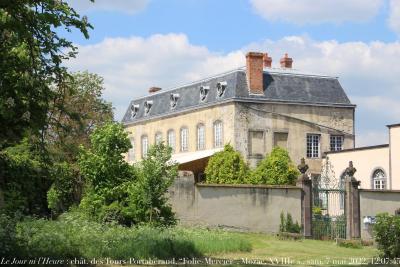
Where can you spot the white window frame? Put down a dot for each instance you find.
(171, 139)
(218, 133)
(145, 145)
(201, 136)
(336, 142)
(313, 146)
(131, 151)
(158, 138)
(379, 182)
(184, 134)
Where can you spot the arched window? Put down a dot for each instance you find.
(131, 151)
(218, 131)
(379, 179)
(201, 137)
(145, 146)
(184, 139)
(158, 138)
(171, 139)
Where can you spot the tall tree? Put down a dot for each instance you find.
(31, 56)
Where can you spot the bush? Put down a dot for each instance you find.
(387, 234)
(275, 169)
(349, 243)
(8, 243)
(71, 236)
(287, 224)
(226, 167)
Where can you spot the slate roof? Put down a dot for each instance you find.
(279, 86)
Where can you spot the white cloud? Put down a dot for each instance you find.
(368, 71)
(394, 16)
(124, 6)
(317, 11)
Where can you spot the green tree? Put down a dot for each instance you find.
(147, 197)
(276, 169)
(226, 167)
(387, 235)
(107, 174)
(31, 53)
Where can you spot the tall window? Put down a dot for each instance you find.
(379, 179)
(158, 138)
(184, 139)
(201, 132)
(313, 145)
(256, 143)
(131, 151)
(145, 146)
(218, 134)
(171, 140)
(336, 142)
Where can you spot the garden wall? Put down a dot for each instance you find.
(373, 202)
(242, 207)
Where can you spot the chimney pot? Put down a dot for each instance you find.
(154, 89)
(286, 62)
(267, 61)
(254, 72)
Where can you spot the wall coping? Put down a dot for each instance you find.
(379, 191)
(249, 186)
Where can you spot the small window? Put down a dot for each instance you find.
(379, 179)
(171, 140)
(145, 146)
(131, 151)
(173, 100)
(313, 145)
(337, 142)
(201, 142)
(204, 92)
(184, 139)
(218, 134)
(158, 138)
(280, 139)
(256, 143)
(134, 110)
(221, 87)
(147, 106)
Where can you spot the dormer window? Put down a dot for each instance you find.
(147, 106)
(204, 92)
(221, 86)
(173, 100)
(134, 110)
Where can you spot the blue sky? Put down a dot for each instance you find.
(136, 44)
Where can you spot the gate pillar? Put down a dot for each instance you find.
(353, 224)
(305, 183)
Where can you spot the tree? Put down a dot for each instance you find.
(226, 167)
(31, 56)
(275, 169)
(147, 196)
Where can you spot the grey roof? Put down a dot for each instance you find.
(278, 87)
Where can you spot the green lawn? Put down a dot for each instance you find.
(307, 252)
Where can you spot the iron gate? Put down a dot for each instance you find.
(329, 196)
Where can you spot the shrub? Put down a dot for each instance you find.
(275, 169)
(387, 234)
(226, 167)
(8, 243)
(349, 243)
(287, 224)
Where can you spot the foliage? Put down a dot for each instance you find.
(24, 180)
(287, 224)
(32, 52)
(276, 169)
(8, 242)
(147, 196)
(71, 236)
(349, 243)
(226, 167)
(107, 174)
(387, 234)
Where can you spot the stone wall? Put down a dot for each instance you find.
(373, 202)
(243, 207)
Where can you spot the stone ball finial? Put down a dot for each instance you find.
(303, 167)
(350, 171)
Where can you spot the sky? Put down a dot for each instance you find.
(137, 44)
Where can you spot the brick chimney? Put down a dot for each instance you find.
(286, 62)
(267, 61)
(254, 72)
(154, 89)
